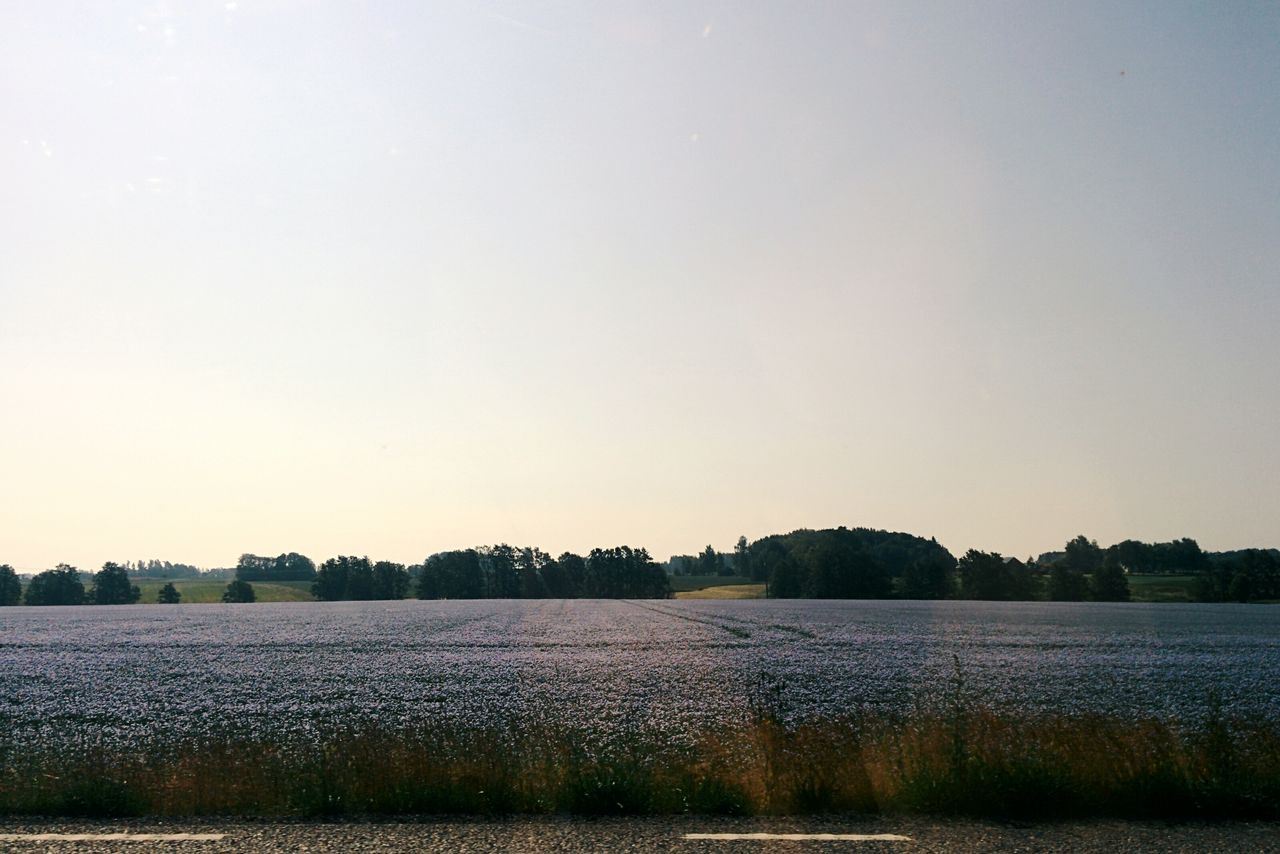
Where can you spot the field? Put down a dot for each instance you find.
(202, 592)
(731, 591)
(682, 583)
(1162, 588)
(658, 706)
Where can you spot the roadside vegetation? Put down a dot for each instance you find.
(959, 759)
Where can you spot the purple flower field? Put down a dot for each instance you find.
(129, 674)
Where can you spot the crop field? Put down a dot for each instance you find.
(139, 672)
(641, 706)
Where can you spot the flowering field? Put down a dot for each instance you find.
(129, 674)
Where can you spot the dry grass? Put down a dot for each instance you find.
(967, 761)
(725, 591)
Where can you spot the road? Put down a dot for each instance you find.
(624, 836)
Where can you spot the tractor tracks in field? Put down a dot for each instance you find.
(739, 627)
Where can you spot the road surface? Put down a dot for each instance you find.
(624, 836)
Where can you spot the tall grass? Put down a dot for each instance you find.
(964, 760)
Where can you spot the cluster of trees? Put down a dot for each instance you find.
(711, 562)
(356, 578)
(62, 586)
(507, 572)
(285, 567)
(111, 585)
(1084, 573)
(161, 569)
(1179, 557)
(853, 563)
(869, 564)
(1241, 576)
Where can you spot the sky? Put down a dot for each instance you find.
(392, 278)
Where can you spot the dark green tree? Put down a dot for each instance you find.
(60, 586)
(1109, 583)
(556, 581)
(1241, 587)
(286, 567)
(238, 592)
(502, 579)
(742, 558)
(625, 573)
(929, 576)
(344, 577)
(841, 567)
(710, 562)
(984, 575)
(785, 581)
(10, 586)
(111, 586)
(574, 567)
(1083, 555)
(390, 580)
(169, 595)
(1066, 584)
(451, 575)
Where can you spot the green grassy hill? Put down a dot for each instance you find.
(195, 592)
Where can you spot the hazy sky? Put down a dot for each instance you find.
(392, 278)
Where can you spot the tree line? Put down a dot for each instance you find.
(869, 564)
(852, 563)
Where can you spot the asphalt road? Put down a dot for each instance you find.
(622, 836)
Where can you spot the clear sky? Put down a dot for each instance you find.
(390, 278)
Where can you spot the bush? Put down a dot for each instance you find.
(239, 592)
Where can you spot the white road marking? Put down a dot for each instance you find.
(821, 837)
(112, 837)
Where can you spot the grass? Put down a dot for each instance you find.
(684, 583)
(729, 591)
(1162, 588)
(963, 760)
(196, 592)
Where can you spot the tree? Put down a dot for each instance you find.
(1083, 555)
(983, 575)
(710, 563)
(784, 579)
(60, 586)
(498, 565)
(346, 577)
(1109, 583)
(742, 558)
(1067, 585)
(169, 595)
(1241, 587)
(556, 580)
(111, 586)
(451, 575)
(238, 592)
(390, 580)
(841, 567)
(574, 567)
(10, 586)
(929, 576)
(625, 573)
(286, 567)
